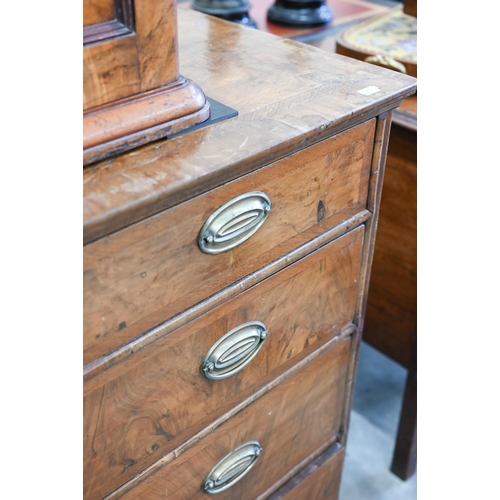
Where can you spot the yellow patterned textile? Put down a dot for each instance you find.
(393, 34)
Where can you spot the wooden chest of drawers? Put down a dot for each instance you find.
(225, 275)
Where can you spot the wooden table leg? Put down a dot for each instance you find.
(404, 461)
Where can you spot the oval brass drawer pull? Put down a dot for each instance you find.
(232, 467)
(234, 351)
(234, 222)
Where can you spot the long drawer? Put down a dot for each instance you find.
(144, 407)
(147, 273)
(289, 424)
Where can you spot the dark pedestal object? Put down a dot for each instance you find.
(231, 10)
(301, 13)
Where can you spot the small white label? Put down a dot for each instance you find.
(369, 90)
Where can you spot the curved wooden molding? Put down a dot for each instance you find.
(121, 22)
(127, 123)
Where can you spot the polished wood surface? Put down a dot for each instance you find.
(130, 122)
(126, 293)
(320, 480)
(169, 376)
(376, 182)
(319, 94)
(382, 133)
(290, 422)
(132, 90)
(312, 132)
(144, 59)
(118, 62)
(98, 11)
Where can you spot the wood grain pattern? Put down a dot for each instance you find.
(301, 95)
(156, 27)
(290, 422)
(98, 11)
(290, 255)
(142, 61)
(153, 426)
(126, 116)
(391, 316)
(133, 138)
(132, 91)
(132, 121)
(104, 19)
(110, 72)
(302, 307)
(320, 480)
(382, 133)
(143, 275)
(104, 31)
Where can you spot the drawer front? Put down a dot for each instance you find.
(158, 398)
(145, 274)
(290, 423)
(320, 480)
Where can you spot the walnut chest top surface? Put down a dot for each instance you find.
(288, 95)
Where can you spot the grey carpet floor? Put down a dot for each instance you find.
(372, 433)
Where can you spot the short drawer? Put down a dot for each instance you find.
(141, 409)
(290, 423)
(147, 273)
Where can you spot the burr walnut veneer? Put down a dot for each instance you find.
(132, 90)
(225, 277)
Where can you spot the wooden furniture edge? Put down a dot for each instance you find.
(329, 443)
(308, 471)
(404, 460)
(121, 125)
(130, 348)
(382, 133)
(110, 221)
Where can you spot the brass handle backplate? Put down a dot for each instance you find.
(234, 351)
(232, 468)
(234, 222)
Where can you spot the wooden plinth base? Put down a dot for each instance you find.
(125, 124)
